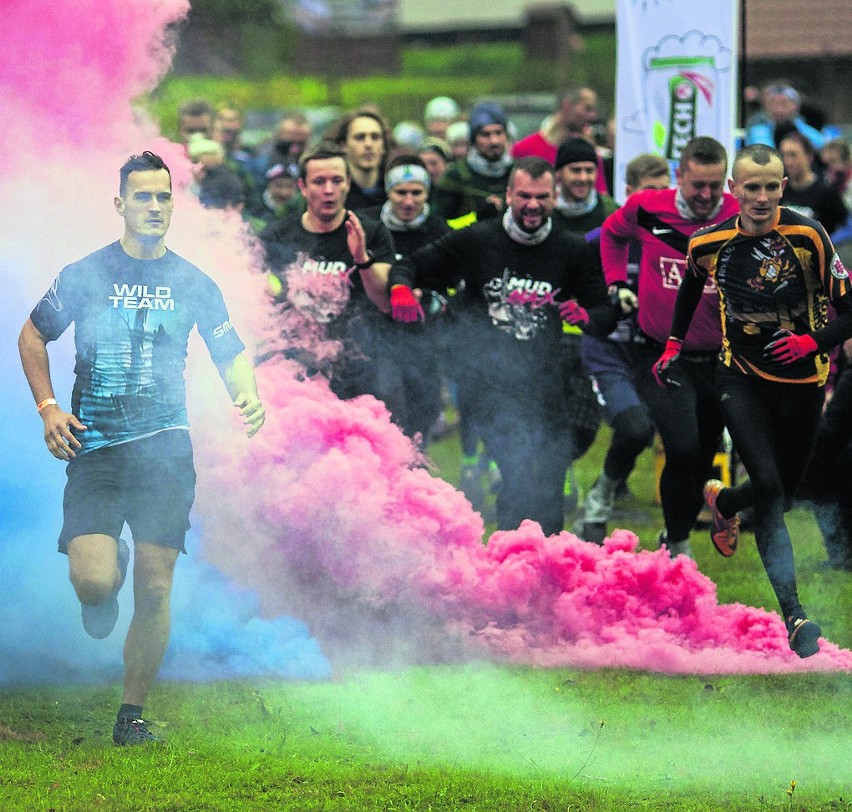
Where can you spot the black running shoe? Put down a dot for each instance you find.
(128, 730)
(803, 635)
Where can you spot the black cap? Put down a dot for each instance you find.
(574, 150)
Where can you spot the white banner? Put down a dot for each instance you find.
(676, 77)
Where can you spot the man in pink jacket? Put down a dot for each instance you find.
(688, 418)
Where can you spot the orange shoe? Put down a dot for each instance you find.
(725, 532)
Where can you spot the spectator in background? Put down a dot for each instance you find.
(364, 137)
(574, 117)
(826, 483)
(805, 192)
(203, 151)
(612, 363)
(205, 154)
(291, 138)
(439, 113)
(195, 117)
(782, 106)
(474, 188)
(435, 154)
(281, 194)
(407, 136)
(220, 188)
(836, 159)
(227, 130)
(458, 137)
(576, 112)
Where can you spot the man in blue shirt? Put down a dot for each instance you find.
(126, 437)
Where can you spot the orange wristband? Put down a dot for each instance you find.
(45, 403)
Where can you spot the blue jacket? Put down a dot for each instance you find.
(764, 133)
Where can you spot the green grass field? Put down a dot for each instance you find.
(469, 736)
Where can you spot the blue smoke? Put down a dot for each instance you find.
(216, 630)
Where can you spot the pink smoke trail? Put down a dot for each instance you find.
(330, 502)
(335, 498)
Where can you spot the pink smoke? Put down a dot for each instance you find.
(70, 70)
(330, 502)
(335, 497)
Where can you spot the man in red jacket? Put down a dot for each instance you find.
(689, 420)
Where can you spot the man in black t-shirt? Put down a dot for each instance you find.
(329, 272)
(523, 275)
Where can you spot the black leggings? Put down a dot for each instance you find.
(773, 426)
(689, 422)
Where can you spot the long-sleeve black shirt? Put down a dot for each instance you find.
(509, 313)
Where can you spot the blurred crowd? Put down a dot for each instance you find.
(412, 183)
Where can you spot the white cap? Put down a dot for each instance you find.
(457, 131)
(408, 134)
(441, 107)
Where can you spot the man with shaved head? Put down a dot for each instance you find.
(777, 272)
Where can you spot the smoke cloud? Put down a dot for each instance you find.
(328, 514)
(69, 75)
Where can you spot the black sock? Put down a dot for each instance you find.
(130, 711)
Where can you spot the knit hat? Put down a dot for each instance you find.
(575, 150)
(438, 145)
(408, 134)
(458, 130)
(282, 170)
(483, 115)
(441, 107)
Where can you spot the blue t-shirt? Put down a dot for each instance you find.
(132, 322)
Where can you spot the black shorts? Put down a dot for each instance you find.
(148, 483)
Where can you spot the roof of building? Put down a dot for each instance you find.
(782, 29)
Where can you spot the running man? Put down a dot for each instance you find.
(777, 272)
(126, 437)
(689, 420)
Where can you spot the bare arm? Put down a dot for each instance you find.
(59, 426)
(238, 375)
(375, 278)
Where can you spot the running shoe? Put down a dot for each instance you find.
(725, 532)
(99, 618)
(803, 635)
(128, 730)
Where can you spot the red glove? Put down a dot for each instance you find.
(404, 304)
(574, 314)
(787, 347)
(662, 369)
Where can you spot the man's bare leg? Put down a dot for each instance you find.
(93, 567)
(148, 636)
